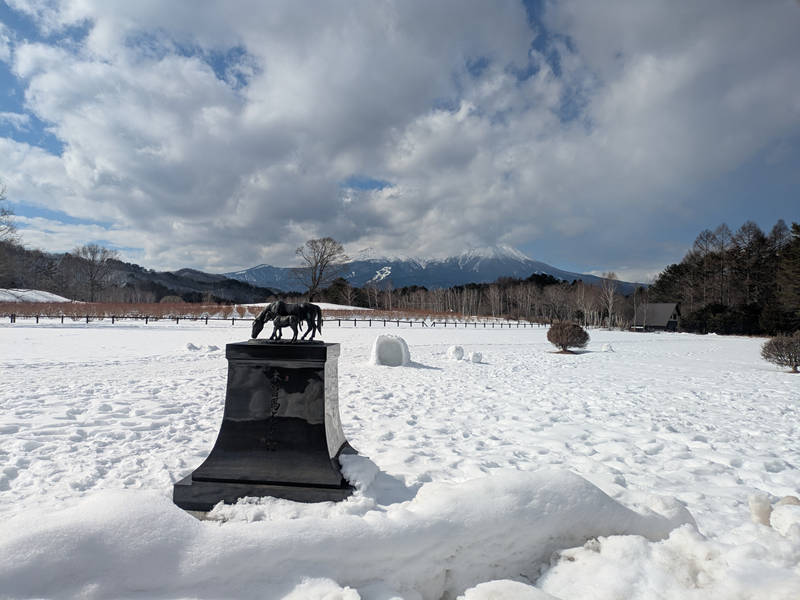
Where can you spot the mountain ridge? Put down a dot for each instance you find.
(474, 265)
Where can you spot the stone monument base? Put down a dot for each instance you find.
(281, 435)
(204, 495)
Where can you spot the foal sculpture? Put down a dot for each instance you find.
(280, 322)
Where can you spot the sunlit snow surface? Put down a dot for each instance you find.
(482, 479)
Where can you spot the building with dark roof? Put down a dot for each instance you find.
(657, 317)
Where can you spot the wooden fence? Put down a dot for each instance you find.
(340, 322)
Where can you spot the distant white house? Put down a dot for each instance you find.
(657, 317)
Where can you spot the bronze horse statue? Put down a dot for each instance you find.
(304, 311)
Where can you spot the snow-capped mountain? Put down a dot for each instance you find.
(475, 265)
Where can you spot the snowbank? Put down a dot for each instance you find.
(447, 539)
(30, 296)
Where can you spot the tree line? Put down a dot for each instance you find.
(745, 282)
(93, 273)
(539, 297)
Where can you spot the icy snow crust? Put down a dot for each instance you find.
(483, 479)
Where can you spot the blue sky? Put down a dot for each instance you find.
(592, 136)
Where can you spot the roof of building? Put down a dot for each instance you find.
(655, 314)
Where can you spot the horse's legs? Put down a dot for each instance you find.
(294, 328)
(310, 325)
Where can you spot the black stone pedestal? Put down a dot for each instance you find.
(280, 435)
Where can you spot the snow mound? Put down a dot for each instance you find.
(785, 518)
(505, 589)
(455, 353)
(686, 565)
(390, 350)
(449, 538)
(475, 357)
(607, 348)
(30, 296)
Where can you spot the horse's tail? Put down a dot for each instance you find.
(318, 310)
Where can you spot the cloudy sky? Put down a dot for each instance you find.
(220, 135)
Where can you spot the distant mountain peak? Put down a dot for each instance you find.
(372, 255)
(493, 252)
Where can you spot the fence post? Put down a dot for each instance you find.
(62, 319)
(13, 318)
(398, 322)
(233, 321)
(206, 319)
(177, 320)
(354, 322)
(370, 322)
(145, 320)
(112, 319)
(87, 318)
(37, 318)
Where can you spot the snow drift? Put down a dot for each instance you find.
(447, 539)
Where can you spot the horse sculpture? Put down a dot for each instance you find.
(304, 311)
(281, 322)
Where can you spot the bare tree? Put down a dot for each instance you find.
(8, 227)
(608, 294)
(348, 294)
(494, 295)
(93, 266)
(322, 261)
(9, 239)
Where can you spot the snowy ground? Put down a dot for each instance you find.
(30, 296)
(482, 480)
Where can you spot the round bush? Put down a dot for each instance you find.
(783, 351)
(566, 335)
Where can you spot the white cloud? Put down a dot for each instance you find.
(5, 43)
(16, 120)
(210, 173)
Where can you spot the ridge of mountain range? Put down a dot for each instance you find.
(475, 265)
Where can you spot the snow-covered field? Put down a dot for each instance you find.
(30, 296)
(529, 475)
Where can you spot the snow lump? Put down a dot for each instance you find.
(391, 351)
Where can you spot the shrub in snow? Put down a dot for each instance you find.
(455, 353)
(391, 351)
(566, 335)
(783, 351)
(475, 357)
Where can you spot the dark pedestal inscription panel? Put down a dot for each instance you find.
(281, 434)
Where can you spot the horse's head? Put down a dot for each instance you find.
(258, 325)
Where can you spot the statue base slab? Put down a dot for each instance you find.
(281, 434)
